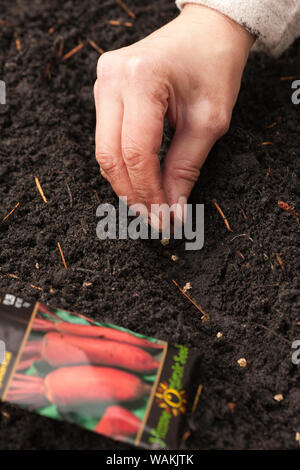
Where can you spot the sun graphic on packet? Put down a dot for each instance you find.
(173, 401)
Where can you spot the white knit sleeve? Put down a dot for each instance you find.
(275, 23)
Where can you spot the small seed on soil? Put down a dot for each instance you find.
(219, 334)
(165, 241)
(278, 397)
(87, 284)
(174, 258)
(242, 362)
(18, 42)
(187, 287)
(231, 405)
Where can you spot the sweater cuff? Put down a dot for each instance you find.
(275, 23)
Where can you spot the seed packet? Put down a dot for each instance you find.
(102, 377)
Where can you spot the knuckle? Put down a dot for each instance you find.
(106, 66)
(184, 172)
(107, 163)
(217, 120)
(133, 156)
(136, 67)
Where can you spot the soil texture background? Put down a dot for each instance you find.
(246, 280)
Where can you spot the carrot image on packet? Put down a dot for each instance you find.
(104, 378)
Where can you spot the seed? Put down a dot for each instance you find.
(242, 362)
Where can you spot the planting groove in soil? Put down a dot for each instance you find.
(47, 131)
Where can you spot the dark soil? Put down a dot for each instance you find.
(47, 130)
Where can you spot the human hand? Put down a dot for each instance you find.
(189, 70)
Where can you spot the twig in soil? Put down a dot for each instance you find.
(199, 391)
(70, 195)
(240, 255)
(268, 172)
(205, 316)
(242, 235)
(286, 207)
(223, 216)
(18, 42)
(47, 73)
(270, 126)
(94, 46)
(97, 195)
(272, 331)
(5, 23)
(83, 228)
(125, 8)
(13, 210)
(37, 182)
(62, 256)
(280, 262)
(127, 24)
(73, 51)
(291, 77)
(14, 276)
(86, 270)
(61, 48)
(35, 287)
(114, 22)
(243, 214)
(267, 143)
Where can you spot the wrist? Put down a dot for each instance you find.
(227, 27)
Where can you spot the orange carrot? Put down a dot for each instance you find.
(59, 349)
(94, 331)
(78, 385)
(118, 422)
